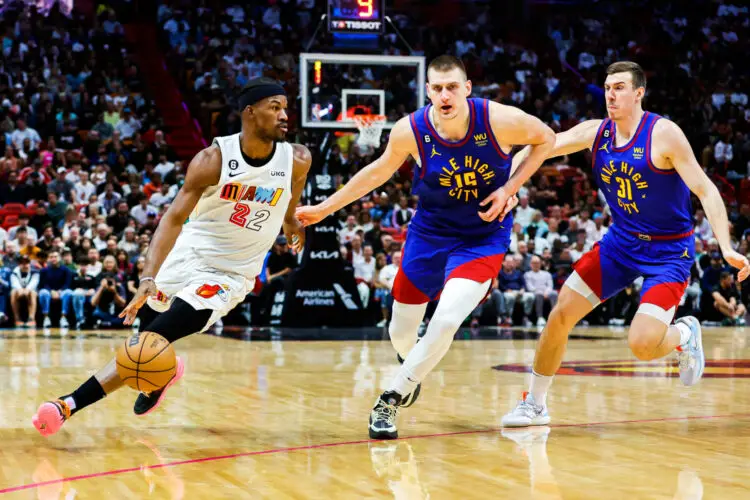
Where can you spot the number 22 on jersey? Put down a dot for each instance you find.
(240, 217)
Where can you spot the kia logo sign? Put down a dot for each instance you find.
(325, 255)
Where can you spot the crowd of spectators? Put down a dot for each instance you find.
(87, 162)
(86, 172)
(555, 71)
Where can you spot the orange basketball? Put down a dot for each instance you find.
(146, 361)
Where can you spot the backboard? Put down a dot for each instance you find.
(334, 87)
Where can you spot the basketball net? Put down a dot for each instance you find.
(370, 129)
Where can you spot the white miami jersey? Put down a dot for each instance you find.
(236, 222)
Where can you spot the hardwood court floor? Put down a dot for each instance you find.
(287, 419)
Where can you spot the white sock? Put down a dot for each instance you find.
(685, 333)
(539, 387)
(70, 402)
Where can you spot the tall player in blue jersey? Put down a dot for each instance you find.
(455, 244)
(646, 169)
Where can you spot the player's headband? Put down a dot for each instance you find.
(252, 95)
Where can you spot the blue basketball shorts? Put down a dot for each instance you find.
(620, 258)
(429, 261)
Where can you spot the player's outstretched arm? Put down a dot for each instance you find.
(293, 229)
(401, 143)
(671, 144)
(512, 126)
(204, 171)
(571, 141)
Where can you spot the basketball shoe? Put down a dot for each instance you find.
(148, 402)
(528, 412)
(691, 357)
(50, 416)
(409, 399)
(383, 416)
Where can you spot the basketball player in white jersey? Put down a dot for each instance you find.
(238, 194)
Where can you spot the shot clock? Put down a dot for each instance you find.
(355, 16)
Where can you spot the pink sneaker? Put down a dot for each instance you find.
(146, 403)
(50, 416)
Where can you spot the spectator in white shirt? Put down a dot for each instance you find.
(102, 234)
(581, 246)
(74, 174)
(540, 243)
(702, 227)
(95, 267)
(516, 235)
(140, 211)
(22, 133)
(585, 223)
(164, 166)
(524, 213)
(348, 233)
(357, 253)
(364, 272)
(599, 231)
(84, 189)
(24, 282)
(128, 125)
(539, 283)
(163, 197)
(23, 222)
(388, 273)
(552, 232)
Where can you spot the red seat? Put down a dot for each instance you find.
(14, 207)
(10, 221)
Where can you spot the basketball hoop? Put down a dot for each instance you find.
(370, 129)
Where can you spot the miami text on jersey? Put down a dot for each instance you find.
(235, 192)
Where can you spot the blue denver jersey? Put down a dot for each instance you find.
(643, 199)
(452, 178)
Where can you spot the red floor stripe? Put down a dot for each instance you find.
(343, 443)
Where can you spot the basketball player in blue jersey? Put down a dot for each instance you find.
(455, 244)
(646, 169)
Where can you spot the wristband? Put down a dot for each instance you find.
(148, 278)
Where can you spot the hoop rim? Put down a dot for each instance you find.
(367, 120)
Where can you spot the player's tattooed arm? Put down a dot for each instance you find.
(571, 141)
(671, 147)
(401, 144)
(293, 229)
(204, 171)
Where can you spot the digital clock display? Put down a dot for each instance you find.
(355, 16)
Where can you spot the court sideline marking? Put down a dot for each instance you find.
(344, 443)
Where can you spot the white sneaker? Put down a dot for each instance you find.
(64, 322)
(691, 357)
(526, 413)
(47, 323)
(541, 322)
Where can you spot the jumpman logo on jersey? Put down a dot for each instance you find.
(434, 152)
(604, 147)
(685, 254)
